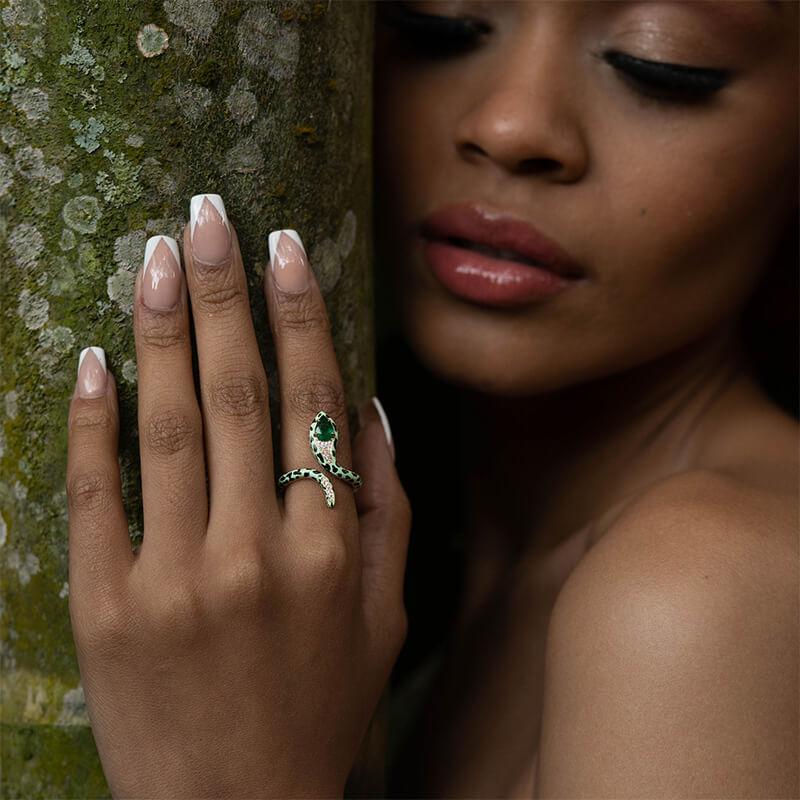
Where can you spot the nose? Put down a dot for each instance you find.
(525, 121)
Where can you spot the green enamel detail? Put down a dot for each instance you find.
(323, 429)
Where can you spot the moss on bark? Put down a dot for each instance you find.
(113, 115)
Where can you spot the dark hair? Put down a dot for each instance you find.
(771, 325)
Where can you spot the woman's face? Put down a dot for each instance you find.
(646, 149)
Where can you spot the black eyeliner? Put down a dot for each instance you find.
(662, 75)
(429, 30)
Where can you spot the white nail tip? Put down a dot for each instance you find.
(197, 203)
(384, 420)
(152, 243)
(273, 241)
(98, 351)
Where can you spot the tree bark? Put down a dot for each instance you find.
(113, 115)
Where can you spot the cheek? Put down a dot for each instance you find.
(696, 224)
(404, 151)
(416, 111)
(676, 221)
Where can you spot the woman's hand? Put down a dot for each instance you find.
(242, 650)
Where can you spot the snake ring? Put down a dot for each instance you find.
(323, 436)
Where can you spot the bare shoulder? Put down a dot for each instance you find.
(671, 663)
(708, 524)
(700, 541)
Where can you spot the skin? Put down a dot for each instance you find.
(628, 625)
(247, 625)
(659, 475)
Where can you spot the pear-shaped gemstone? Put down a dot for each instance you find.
(325, 430)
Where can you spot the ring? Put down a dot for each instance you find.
(323, 436)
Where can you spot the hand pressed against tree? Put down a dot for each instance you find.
(242, 650)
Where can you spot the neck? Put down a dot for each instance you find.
(574, 453)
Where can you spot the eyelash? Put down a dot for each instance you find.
(666, 81)
(437, 37)
(430, 35)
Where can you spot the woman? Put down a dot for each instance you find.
(578, 201)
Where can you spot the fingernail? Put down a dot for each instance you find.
(387, 430)
(92, 376)
(161, 279)
(289, 263)
(210, 232)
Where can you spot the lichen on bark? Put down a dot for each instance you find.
(113, 115)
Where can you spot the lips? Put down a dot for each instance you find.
(494, 259)
(498, 236)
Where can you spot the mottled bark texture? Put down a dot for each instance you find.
(113, 114)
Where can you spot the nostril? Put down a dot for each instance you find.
(530, 166)
(470, 148)
(523, 166)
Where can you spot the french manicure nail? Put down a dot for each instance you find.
(387, 430)
(161, 279)
(210, 231)
(92, 375)
(289, 263)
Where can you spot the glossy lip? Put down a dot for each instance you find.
(501, 231)
(488, 278)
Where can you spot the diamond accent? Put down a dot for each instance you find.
(326, 450)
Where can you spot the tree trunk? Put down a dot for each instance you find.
(113, 114)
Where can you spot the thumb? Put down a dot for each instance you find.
(384, 513)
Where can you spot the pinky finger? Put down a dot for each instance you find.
(99, 544)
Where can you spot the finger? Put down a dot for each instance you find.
(309, 376)
(233, 386)
(99, 543)
(170, 424)
(384, 516)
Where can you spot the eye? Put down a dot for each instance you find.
(430, 35)
(661, 80)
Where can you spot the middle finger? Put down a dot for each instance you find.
(233, 385)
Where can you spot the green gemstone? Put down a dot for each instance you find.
(325, 430)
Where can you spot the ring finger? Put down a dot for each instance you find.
(310, 381)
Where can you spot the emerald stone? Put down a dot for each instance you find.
(325, 430)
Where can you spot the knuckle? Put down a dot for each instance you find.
(176, 613)
(94, 417)
(242, 397)
(216, 290)
(242, 581)
(169, 432)
(161, 331)
(326, 564)
(301, 313)
(312, 394)
(104, 629)
(90, 490)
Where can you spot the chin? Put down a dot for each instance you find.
(488, 364)
(506, 352)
